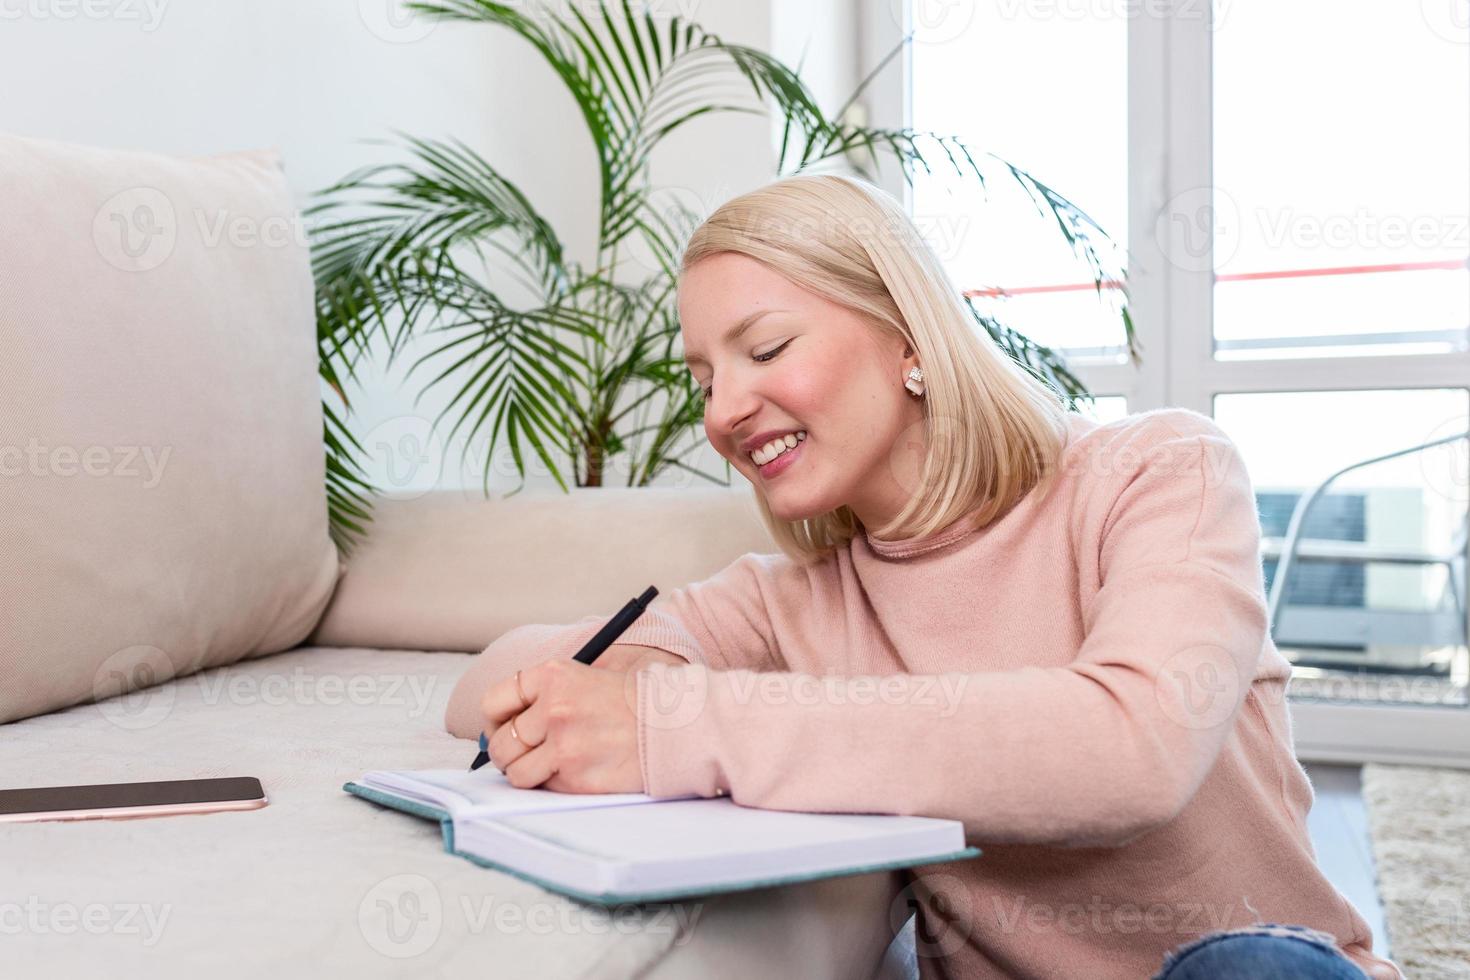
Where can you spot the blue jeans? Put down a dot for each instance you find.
(1266, 951)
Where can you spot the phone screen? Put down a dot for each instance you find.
(106, 796)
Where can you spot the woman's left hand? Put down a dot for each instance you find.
(579, 735)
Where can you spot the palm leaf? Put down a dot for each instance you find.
(400, 246)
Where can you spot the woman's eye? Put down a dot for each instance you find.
(770, 354)
(708, 392)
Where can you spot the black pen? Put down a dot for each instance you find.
(591, 650)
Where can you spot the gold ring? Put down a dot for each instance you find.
(525, 702)
(515, 734)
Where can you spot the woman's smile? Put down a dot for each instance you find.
(787, 459)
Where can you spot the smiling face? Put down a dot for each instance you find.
(801, 363)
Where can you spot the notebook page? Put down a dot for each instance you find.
(719, 831)
(486, 792)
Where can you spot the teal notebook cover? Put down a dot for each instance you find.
(446, 826)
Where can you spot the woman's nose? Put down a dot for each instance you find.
(727, 409)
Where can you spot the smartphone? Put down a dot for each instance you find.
(122, 801)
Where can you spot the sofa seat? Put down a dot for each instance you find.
(319, 879)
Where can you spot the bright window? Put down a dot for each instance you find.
(1342, 179)
(1066, 125)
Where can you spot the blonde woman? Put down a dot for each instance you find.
(986, 608)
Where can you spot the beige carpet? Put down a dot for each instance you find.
(1419, 819)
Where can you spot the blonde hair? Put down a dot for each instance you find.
(852, 243)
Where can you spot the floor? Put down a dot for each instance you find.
(1338, 824)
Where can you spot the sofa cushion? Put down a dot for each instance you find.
(452, 570)
(322, 882)
(161, 466)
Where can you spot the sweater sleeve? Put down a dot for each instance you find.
(721, 622)
(1094, 753)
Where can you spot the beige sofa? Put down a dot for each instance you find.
(190, 618)
(320, 880)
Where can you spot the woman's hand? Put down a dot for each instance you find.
(580, 732)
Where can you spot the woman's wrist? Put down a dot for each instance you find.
(630, 657)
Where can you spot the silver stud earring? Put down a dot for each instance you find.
(915, 382)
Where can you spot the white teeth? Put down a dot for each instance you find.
(776, 447)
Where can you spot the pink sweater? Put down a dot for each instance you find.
(1087, 684)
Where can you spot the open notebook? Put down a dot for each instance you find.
(629, 847)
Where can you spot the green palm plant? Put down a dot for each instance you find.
(588, 370)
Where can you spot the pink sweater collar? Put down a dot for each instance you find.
(909, 547)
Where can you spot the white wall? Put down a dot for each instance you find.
(315, 77)
(203, 76)
(820, 36)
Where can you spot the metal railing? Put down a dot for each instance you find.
(1356, 552)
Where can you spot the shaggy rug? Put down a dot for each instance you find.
(1419, 819)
